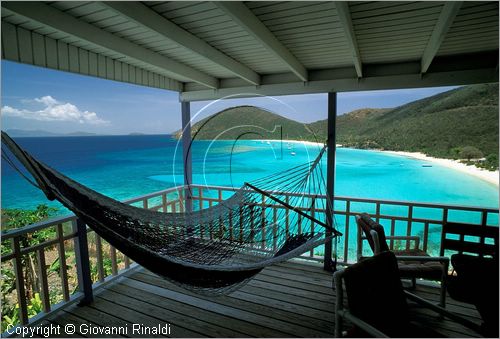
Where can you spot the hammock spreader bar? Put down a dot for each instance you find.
(295, 209)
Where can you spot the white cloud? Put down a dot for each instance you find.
(54, 110)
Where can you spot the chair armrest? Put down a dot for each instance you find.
(362, 324)
(444, 260)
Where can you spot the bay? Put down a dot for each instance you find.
(123, 167)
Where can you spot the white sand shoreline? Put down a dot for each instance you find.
(310, 143)
(490, 176)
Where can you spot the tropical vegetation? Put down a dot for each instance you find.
(16, 218)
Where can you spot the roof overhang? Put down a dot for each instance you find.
(212, 50)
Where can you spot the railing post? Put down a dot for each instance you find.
(186, 155)
(328, 264)
(83, 262)
(21, 292)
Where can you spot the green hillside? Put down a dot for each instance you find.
(248, 122)
(444, 125)
(348, 123)
(460, 124)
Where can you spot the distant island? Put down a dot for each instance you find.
(457, 124)
(20, 133)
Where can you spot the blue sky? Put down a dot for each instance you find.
(39, 98)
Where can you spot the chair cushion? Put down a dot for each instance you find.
(426, 270)
(375, 294)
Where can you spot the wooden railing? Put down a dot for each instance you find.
(69, 261)
(63, 261)
(400, 218)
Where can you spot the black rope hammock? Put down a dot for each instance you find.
(214, 250)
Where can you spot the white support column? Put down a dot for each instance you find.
(186, 155)
(330, 176)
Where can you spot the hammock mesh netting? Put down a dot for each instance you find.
(213, 250)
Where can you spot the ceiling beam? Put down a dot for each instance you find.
(447, 78)
(344, 15)
(49, 16)
(443, 24)
(464, 69)
(146, 17)
(245, 18)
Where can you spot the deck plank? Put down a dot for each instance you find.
(160, 314)
(239, 327)
(290, 299)
(260, 315)
(246, 301)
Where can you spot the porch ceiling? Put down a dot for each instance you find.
(207, 50)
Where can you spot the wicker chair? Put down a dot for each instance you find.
(377, 304)
(413, 263)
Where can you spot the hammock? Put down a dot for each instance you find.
(214, 250)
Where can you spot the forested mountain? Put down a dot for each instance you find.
(461, 123)
(248, 122)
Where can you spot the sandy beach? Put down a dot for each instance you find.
(310, 143)
(489, 176)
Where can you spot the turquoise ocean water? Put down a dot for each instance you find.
(124, 167)
(127, 166)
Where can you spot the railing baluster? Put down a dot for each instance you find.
(425, 235)
(231, 225)
(484, 221)
(393, 231)
(313, 215)
(164, 202)
(145, 204)
(409, 225)
(210, 224)
(275, 227)
(21, 292)
(44, 288)
(82, 262)
(99, 258)
(346, 232)
(241, 224)
(114, 265)
(181, 201)
(263, 224)
(252, 226)
(63, 269)
(221, 221)
(126, 261)
(287, 217)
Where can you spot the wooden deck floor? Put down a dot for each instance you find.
(286, 300)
